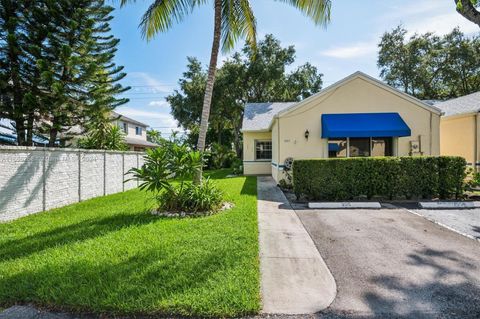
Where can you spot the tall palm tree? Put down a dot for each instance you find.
(233, 19)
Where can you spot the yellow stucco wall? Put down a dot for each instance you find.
(250, 165)
(457, 136)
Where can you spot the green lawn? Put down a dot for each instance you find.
(110, 255)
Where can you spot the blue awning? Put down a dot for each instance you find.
(364, 125)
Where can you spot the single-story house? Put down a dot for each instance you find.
(357, 116)
(459, 128)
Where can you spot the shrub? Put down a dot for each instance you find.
(191, 198)
(386, 177)
(174, 161)
(220, 156)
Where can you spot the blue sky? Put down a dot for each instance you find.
(348, 44)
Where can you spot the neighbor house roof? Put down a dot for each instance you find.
(139, 142)
(461, 105)
(127, 119)
(259, 116)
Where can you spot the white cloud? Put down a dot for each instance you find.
(148, 83)
(441, 24)
(159, 103)
(153, 119)
(351, 51)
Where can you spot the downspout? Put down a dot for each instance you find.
(475, 138)
(278, 147)
(431, 133)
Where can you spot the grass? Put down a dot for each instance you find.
(109, 255)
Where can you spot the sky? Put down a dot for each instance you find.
(347, 44)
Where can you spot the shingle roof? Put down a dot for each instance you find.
(137, 141)
(461, 105)
(259, 116)
(127, 119)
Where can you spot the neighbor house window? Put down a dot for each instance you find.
(360, 147)
(263, 150)
(138, 130)
(337, 148)
(125, 127)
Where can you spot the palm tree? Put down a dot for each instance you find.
(233, 19)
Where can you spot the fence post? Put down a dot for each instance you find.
(123, 171)
(138, 163)
(104, 172)
(44, 180)
(79, 176)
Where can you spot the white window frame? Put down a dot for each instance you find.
(255, 150)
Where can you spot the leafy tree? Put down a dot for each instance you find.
(467, 8)
(233, 19)
(241, 79)
(154, 136)
(103, 134)
(428, 66)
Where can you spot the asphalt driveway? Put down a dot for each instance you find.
(390, 263)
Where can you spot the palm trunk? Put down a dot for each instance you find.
(468, 11)
(207, 100)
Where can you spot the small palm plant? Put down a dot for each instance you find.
(166, 173)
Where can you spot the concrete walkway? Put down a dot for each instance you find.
(294, 277)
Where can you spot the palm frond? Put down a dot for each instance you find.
(238, 21)
(318, 10)
(162, 14)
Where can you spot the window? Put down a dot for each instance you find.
(138, 130)
(382, 146)
(360, 147)
(125, 127)
(263, 150)
(337, 148)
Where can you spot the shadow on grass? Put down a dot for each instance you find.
(151, 282)
(249, 186)
(65, 235)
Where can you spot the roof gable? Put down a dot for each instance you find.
(369, 79)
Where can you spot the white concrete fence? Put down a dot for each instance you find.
(35, 179)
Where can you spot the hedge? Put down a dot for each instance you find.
(385, 177)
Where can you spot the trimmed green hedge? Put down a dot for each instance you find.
(386, 177)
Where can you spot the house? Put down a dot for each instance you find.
(8, 135)
(356, 116)
(459, 128)
(135, 132)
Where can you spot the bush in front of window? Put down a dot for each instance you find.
(384, 177)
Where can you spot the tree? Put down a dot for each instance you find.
(428, 66)
(233, 19)
(103, 134)
(241, 79)
(467, 8)
(56, 65)
(154, 136)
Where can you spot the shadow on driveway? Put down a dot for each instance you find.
(393, 264)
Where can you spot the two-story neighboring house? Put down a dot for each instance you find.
(135, 132)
